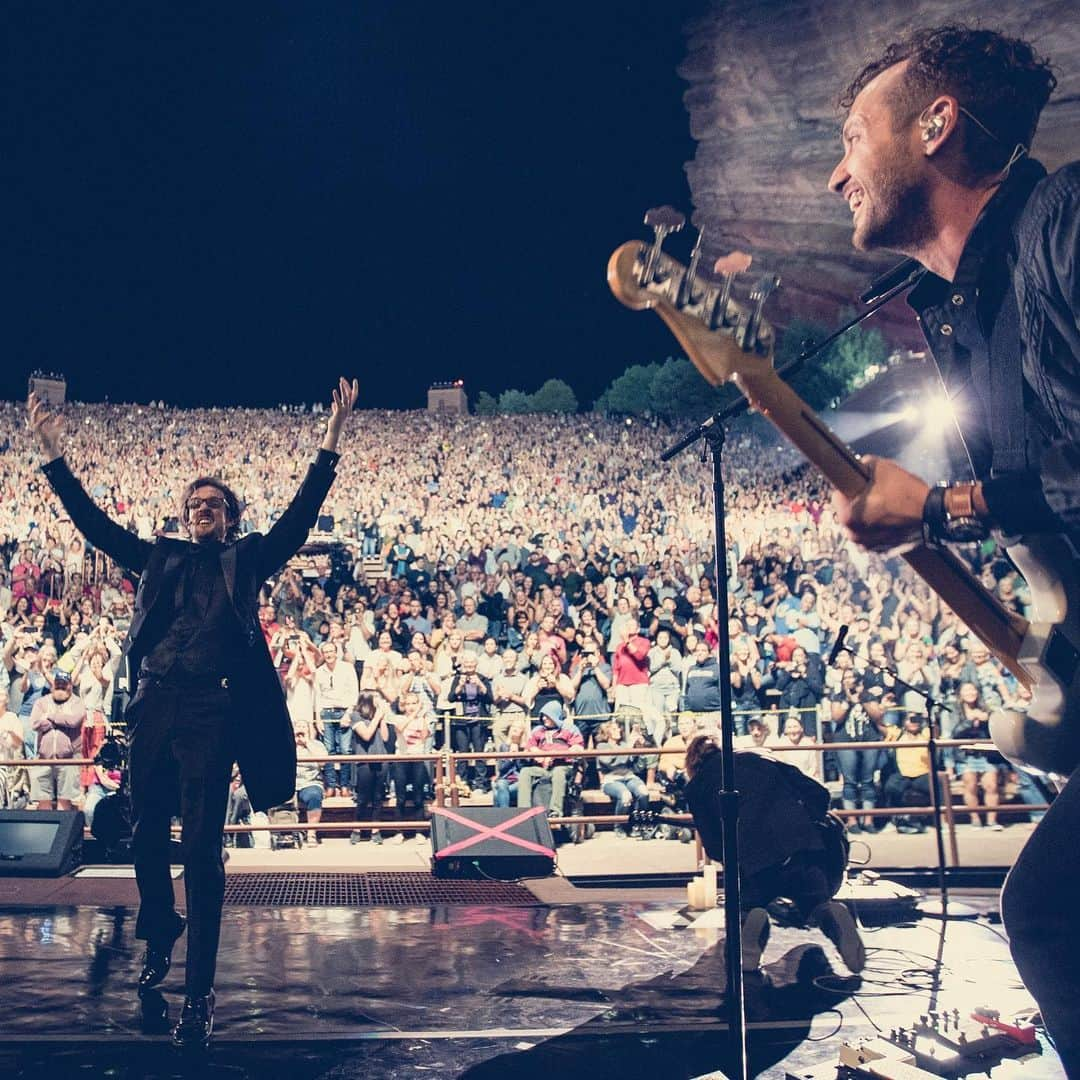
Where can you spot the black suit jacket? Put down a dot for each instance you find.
(267, 750)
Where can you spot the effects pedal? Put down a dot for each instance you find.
(947, 1043)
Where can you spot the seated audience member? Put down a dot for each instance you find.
(790, 847)
(790, 740)
(553, 733)
(14, 779)
(757, 735)
(620, 770)
(907, 782)
(371, 734)
(238, 812)
(309, 787)
(105, 780)
(57, 720)
(673, 765)
(508, 769)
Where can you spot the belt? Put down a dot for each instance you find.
(186, 682)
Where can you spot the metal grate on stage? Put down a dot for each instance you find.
(375, 889)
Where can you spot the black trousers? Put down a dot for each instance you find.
(807, 878)
(181, 750)
(1039, 908)
(470, 737)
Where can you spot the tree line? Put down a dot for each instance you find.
(675, 390)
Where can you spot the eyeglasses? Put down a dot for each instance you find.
(214, 502)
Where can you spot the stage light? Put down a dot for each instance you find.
(940, 412)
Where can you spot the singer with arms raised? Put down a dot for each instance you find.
(935, 167)
(206, 695)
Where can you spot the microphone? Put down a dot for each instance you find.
(688, 439)
(839, 644)
(905, 273)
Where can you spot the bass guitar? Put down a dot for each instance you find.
(729, 341)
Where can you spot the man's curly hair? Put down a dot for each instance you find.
(234, 509)
(1000, 80)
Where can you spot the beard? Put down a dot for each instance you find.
(895, 214)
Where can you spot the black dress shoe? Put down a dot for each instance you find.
(158, 958)
(153, 1012)
(196, 1023)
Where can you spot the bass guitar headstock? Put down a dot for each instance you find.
(718, 320)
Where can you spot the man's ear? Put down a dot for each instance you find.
(937, 122)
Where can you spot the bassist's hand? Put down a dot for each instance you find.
(887, 515)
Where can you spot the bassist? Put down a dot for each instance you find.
(935, 167)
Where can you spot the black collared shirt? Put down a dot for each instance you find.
(1018, 277)
(202, 634)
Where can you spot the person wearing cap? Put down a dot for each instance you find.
(554, 733)
(57, 720)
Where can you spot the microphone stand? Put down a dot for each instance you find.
(936, 908)
(712, 431)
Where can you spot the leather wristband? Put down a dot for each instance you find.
(939, 526)
(933, 515)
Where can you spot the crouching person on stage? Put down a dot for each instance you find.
(206, 693)
(790, 847)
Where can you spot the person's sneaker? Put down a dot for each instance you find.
(838, 925)
(621, 833)
(755, 936)
(376, 837)
(975, 823)
(996, 827)
(355, 837)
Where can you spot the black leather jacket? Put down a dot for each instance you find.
(1006, 337)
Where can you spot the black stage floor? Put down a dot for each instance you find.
(592, 990)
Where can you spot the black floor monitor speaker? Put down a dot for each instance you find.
(40, 843)
(491, 842)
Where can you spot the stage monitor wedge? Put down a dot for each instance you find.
(491, 842)
(40, 843)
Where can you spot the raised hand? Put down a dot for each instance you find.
(342, 401)
(47, 427)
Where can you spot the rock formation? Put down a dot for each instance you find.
(763, 80)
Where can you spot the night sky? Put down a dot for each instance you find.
(233, 202)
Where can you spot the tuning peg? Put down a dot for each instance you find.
(665, 217)
(729, 265)
(762, 290)
(686, 289)
(662, 220)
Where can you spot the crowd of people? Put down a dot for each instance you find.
(509, 583)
